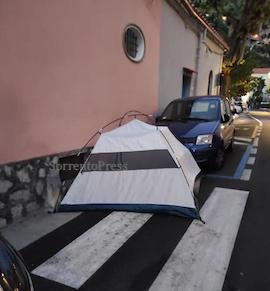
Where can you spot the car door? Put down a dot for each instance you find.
(227, 128)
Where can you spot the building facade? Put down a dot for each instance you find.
(191, 54)
(68, 67)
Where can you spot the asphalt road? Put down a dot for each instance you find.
(250, 261)
(230, 252)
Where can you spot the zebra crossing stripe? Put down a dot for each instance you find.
(254, 151)
(79, 260)
(251, 161)
(256, 142)
(244, 139)
(200, 260)
(239, 143)
(246, 174)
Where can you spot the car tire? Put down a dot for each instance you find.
(219, 159)
(197, 184)
(230, 147)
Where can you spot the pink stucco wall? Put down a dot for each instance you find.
(64, 72)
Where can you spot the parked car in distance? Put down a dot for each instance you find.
(241, 104)
(204, 124)
(14, 273)
(235, 109)
(265, 104)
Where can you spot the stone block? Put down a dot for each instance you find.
(42, 173)
(30, 167)
(3, 222)
(23, 176)
(55, 160)
(8, 170)
(16, 211)
(20, 195)
(32, 206)
(5, 186)
(40, 187)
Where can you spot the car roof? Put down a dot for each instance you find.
(216, 97)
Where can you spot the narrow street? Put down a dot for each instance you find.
(160, 252)
(248, 269)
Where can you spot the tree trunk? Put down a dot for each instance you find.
(226, 83)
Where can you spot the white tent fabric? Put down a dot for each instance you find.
(133, 136)
(183, 156)
(158, 176)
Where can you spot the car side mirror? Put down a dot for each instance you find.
(226, 118)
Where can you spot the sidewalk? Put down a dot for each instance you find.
(29, 229)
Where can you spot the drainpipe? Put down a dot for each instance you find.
(201, 38)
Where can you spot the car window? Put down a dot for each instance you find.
(204, 109)
(192, 109)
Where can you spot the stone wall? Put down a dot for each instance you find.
(29, 185)
(26, 186)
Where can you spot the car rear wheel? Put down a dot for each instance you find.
(197, 184)
(230, 147)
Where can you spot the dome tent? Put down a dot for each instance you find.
(136, 167)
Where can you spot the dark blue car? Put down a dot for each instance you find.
(203, 124)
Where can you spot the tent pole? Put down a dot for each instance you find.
(111, 122)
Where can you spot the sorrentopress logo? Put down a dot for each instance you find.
(88, 167)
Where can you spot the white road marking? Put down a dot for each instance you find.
(239, 143)
(246, 175)
(243, 128)
(238, 138)
(260, 123)
(200, 260)
(256, 142)
(251, 161)
(79, 260)
(254, 132)
(254, 151)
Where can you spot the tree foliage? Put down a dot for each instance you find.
(236, 20)
(258, 87)
(241, 80)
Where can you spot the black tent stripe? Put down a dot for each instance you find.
(135, 160)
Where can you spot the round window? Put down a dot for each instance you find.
(133, 43)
